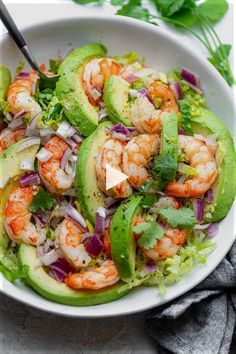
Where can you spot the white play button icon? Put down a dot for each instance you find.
(113, 177)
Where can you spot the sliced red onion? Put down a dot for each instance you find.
(65, 157)
(149, 266)
(61, 268)
(190, 77)
(44, 155)
(197, 89)
(213, 230)
(9, 116)
(111, 210)
(31, 132)
(27, 143)
(33, 122)
(120, 128)
(29, 179)
(77, 138)
(131, 78)
(65, 130)
(75, 215)
(16, 123)
(100, 221)
(26, 164)
(43, 217)
(95, 93)
(109, 201)
(94, 246)
(70, 168)
(198, 206)
(58, 276)
(23, 75)
(209, 195)
(119, 136)
(177, 90)
(46, 131)
(102, 113)
(50, 257)
(201, 227)
(181, 131)
(144, 92)
(20, 114)
(45, 139)
(5, 132)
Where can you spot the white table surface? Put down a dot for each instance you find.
(25, 330)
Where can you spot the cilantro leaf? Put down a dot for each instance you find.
(185, 109)
(214, 9)
(148, 186)
(183, 217)
(148, 200)
(164, 168)
(151, 232)
(134, 9)
(42, 201)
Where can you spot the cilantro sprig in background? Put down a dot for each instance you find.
(197, 18)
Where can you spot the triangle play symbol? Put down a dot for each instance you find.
(113, 177)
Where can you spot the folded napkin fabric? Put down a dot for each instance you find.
(203, 320)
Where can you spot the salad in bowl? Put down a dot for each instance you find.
(62, 230)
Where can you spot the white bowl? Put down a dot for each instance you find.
(161, 50)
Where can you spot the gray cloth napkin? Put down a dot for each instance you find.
(203, 320)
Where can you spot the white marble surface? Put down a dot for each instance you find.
(25, 330)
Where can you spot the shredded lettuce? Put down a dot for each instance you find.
(128, 58)
(171, 270)
(9, 266)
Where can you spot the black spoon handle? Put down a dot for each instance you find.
(17, 36)
(11, 26)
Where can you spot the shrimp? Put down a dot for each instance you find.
(136, 155)
(96, 72)
(55, 179)
(199, 156)
(17, 217)
(164, 92)
(20, 95)
(93, 278)
(9, 137)
(166, 247)
(145, 117)
(69, 237)
(111, 154)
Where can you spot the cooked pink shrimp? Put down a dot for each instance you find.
(20, 95)
(111, 154)
(17, 217)
(93, 278)
(200, 157)
(96, 72)
(9, 137)
(145, 117)
(53, 177)
(166, 247)
(69, 237)
(161, 90)
(136, 155)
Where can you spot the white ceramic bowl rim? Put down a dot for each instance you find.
(16, 292)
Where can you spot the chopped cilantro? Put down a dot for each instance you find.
(183, 217)
(42, 201)
(151, 232)
(185, 109)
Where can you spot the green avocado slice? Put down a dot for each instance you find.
(70, 91)
(52, 290)
(224, 188)
(5, 80)
(116, 102)
(89, 195)
(123, 247)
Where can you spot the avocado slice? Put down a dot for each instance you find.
(5, 80)
(4, 196)
(89, 195)
(224, 188)
(70, 91)
(49, 288)
(123, 247)
(11, 158)
(116, 92)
